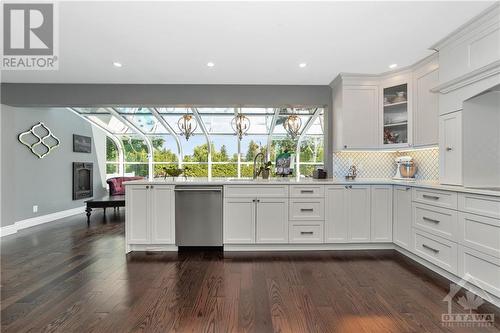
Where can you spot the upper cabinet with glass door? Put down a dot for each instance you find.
(396, 117)
(395, 113)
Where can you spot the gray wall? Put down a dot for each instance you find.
(28, 180)
(23, 94)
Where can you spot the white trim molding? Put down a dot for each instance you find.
(34, 221)
(469, 78)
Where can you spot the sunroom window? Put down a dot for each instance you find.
(150, 140)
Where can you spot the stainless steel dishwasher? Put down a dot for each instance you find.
(198, 215)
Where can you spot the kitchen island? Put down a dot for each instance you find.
(453, 230)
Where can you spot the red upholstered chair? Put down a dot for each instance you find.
(116, 184)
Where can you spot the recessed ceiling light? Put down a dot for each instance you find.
(302, 65)
(117, 64)
(393, 66)
(210, 64)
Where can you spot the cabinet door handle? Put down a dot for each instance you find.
(306, 209)
(350, 186)
(449, 148)
(433, 197)
(408, 188)
(254, 200)
(258, 200)
(430, 248)
(430, 220)
(152, 186)
(306, 191)
(147, 187)
(306, 232)
(346, 186)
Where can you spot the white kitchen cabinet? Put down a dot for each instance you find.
(360, 117)
(137, 214)
(381, 213)
(450, 148)
(162, 215)
(426, 103)
(347, 214)
(239, 220)
(271, 220)
(402, 222)
(480, 269)
(359, 213)
(396, 117)
(150, 214)
(355, 105)
(336, 214)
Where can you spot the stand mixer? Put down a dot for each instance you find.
(405, 169)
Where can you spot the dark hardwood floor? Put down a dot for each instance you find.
(65, 277)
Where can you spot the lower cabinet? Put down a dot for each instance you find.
(306, 232)
(272, 220)
(150, 217)
(347, 214)
(239, 220)
(255, 220)
(402, 217)
(381, 213)
(480, 269)
(437, 250)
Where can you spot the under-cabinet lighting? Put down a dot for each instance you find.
(117, 64)
(393, 66)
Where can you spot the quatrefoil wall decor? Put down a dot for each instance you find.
(39, 139)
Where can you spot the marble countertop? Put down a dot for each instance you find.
(309, 181)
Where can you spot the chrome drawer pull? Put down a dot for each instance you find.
(306, 209)
(430, 248)
(306, 232)
(306, 191)
(433, 197)
(430, 220)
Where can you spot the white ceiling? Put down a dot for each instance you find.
(250, 43)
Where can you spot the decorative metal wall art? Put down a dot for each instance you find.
(39, 139)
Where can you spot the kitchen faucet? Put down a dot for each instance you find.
(255, 171)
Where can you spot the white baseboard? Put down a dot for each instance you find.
(307, 247)
(151, 247)
(31, 222)
(8, 230)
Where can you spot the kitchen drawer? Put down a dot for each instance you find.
(435, 220)
(437, 250)
(479, 204)
(307, 191)
(446, 199)
(480, 233)
(479, 269)
(253, 191)
(307, 209)
(308, 233)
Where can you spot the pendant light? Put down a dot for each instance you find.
(187, 125)
(240, 125)
(292, 125)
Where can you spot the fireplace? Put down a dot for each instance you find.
(83, 185)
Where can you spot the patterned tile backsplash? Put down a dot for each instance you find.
(380, 164)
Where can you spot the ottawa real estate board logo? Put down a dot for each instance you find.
(30, 36)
